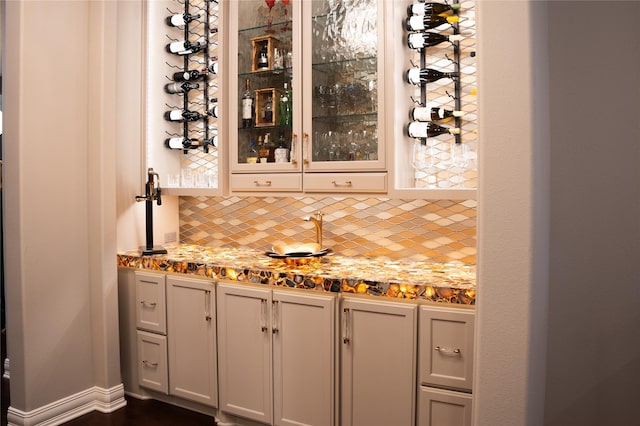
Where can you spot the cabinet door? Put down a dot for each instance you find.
(342, 63)
(378, 348)
(244, 351)
(439, 407)
(152, 361)
(192, 340)
(446, 347)
(303, 358)
(150, 302)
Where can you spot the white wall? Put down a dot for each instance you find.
(572, 306)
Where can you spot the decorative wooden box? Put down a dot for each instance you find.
(257, 43)
(263, 98)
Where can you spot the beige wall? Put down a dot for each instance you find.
(59, 188)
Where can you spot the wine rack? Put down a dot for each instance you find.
(447, 160)
(196, 138)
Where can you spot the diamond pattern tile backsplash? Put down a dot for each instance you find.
(416, 230)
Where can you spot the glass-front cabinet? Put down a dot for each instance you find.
(308, 89)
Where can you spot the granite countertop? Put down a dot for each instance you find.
(438, 282)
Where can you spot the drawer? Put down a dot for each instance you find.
(151, 311)
(445, 347)
(153, 370)
(265, 182)
(345, 182)
(440, 407)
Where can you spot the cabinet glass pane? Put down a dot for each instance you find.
(344, 75)
(265, 62)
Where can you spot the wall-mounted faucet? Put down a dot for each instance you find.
(317, 221)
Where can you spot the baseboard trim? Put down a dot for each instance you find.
(63, 410)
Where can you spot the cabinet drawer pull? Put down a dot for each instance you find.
(149, 364)
(447, 351)
(265, 183)
(346, 183)
(145, 303)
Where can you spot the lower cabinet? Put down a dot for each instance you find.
(378, 362)
(445, 365)
(191, 331)
(441, 407)
(276, 355)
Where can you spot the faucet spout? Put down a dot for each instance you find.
(317, 221)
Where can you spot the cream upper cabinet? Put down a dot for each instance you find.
(307, 96)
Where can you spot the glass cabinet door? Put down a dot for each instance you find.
(307, 83)
(345, 62)
(262, 85)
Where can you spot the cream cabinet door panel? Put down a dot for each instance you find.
(192, 340)
(303, 358)
(244, 351)
(439, 407)
(152, 361)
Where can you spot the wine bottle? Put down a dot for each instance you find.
(180, 19)
(428, 39)
(247, 105)
(182, 115)
(213, 111)
(268, 111)
(180, 87)
(433, 114)
(427, 75)
(285, 113)
(213, 141)
(418, 129)
(185, 47)
(426, 8)
(180, 143)
(213, 65)
(263, 57)
(427, 22)
(188, 75)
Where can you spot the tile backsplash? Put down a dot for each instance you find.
(417, 230)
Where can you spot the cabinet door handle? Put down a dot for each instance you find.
(345, 326)
(207, 305)
(345, 183)
(145, 303)
(292, 153)
(307, 147)
(263, 315)
(274, 317)
(448, 351)
(265, 183)
(149, 364)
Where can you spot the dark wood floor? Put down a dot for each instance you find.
(137, 412)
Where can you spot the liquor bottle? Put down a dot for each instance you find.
(427, 75)
(213, 111)
(263, 151)
(247, 105)
(252, 154)
(263, 57)
(433, 114)
(268, 111)
(427, 22)
(180, 19)
(180, 87)
(185, 47)
(432, 8)
(428, 39)
(180, 143)
(419, 129)
(188, 75)
(285, 113)
(182, 115)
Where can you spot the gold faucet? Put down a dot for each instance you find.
(317, 221)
